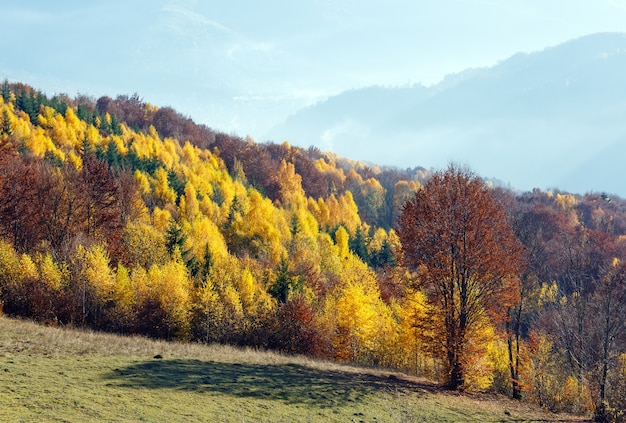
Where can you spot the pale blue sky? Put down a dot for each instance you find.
(243, 66)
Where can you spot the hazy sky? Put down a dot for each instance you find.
(243, 66)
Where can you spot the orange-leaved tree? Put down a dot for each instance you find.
(456, 236)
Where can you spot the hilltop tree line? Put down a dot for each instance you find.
(122, 216)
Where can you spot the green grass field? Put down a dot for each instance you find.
(61, 375)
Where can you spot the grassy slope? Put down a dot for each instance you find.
(49, 374)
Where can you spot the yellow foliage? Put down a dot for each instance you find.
(190, 154)
(377, 241)
(161, 219)
(330, 168)
(403, 191)
(208, 294)
(168, 154)
(305, 254)
(66, 131)
(245, 285)
(119, 144)
(123, 289)
(394, 241)
(330, 258)
(139, 281)
(46, 118)
(566, 201)
(9, 265)
(333, 212)
(39, 144)
(356, 322)
(548, 293)
(75, 160)
(290, 182)
(97, 272)
(364, 328)
(72, 121)
(190, 200)
(264, 226)
(28, 268)
(142, 181)
(342, 237)
(50, 273)
(232, 301)
(143, 146)
(348, 212)
(203, 232)
(482, 353)
(575, 396)
(307, 224)
(144, 244)
(170, 287)
(162, 189)
(21, 126)
(320, 210)
(414, 330)
(93, 136)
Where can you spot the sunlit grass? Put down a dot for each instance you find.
(62, 375)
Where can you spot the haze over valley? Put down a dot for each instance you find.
(549, 119)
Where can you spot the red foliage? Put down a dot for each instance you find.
(457, 237)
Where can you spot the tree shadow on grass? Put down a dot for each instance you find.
(290, 383)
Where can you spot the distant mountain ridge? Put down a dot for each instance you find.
(549, 119)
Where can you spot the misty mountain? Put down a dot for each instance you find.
(549, 119)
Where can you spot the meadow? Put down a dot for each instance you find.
(67, 375)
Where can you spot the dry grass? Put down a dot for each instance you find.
(52, 374)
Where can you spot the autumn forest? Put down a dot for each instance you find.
(122, 216)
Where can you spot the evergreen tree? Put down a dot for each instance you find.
(116, 129)
(177, 183)
(235, 208)
(113, 156)
(285, 283)
(57, 103)
(5, 91)
(358, 245)
(207, 262)
(84, 114)
(175, 239)
(24, 102)
(5, 124)
(384, 256)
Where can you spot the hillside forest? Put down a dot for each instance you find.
(125, 217)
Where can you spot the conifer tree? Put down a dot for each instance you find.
(5, 91)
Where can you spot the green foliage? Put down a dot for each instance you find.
(176, 243)
(27, 102)
(5, 124)
(285, 283)
(383, 257)
(5, 91)
(358, 246)
(176, 183)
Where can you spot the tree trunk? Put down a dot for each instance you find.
(456, 376)
(514, 337)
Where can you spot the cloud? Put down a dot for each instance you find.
(192, 16)
(348, 130)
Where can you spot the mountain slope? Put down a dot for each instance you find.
(547, 119)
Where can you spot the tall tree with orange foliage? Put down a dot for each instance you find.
(456, 236)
